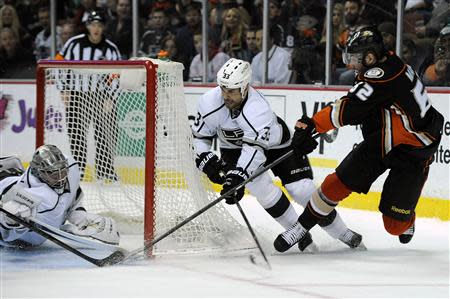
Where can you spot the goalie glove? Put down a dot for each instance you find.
(19, 202)
(91, 225)
(212, 166)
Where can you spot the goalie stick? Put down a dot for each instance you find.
(86, 241)
(257, 173)
(114, 258)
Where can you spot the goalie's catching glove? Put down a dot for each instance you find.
(212, 166)
(91, 225)
(303, 141)
(234, 177)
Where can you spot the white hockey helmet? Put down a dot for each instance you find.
(235, 73)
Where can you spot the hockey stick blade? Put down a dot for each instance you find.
(112, 259)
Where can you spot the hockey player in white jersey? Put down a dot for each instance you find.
(49, 192)
(250, 136)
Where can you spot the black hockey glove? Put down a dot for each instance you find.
(303, 141)
(234, 177)
(212, 166)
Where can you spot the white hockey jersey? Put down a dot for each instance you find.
(254, 127)
(53, 208)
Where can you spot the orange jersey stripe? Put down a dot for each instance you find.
(322, 119)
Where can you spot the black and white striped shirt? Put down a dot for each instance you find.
(80, 48)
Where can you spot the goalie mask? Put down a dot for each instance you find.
(235, 73)
(50, 166)
(360, 43)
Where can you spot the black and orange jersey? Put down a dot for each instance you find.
(389, 100)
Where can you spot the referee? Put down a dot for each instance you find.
(91, 97)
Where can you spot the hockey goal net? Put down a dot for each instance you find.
(126, 125)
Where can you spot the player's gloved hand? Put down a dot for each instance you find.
(234, 177)
(212, 166)
(19, 202)
(303, 141)
(91, 225)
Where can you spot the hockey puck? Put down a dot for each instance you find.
(252, 258)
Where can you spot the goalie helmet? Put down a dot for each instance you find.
(235, 73)
(360, 43)
(50, 166)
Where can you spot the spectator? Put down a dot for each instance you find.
(9, 19)
(388, 31)
(338, 27)
(298, 8)
(119, 30)
(168, 6)
(438, 73)
(439, 18)
(353, 22)
(277, 16)
(409, 52)
(278, 61)
(217, 13)
(67, 31)
(43, 41)
(108, 7)
(169, 45)
(233, 35)
(215, 60)
(185, 35)
(253, 39)
(15, 61)
(378, 11)
(307, 62)
(158, 30)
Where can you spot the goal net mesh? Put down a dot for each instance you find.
(99, 116)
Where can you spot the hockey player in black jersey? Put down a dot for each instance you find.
(401, 132)
(250, 136)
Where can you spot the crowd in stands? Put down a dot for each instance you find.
(297, 34)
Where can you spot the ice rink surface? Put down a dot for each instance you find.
(387, 269)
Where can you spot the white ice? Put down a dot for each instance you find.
(387, 269)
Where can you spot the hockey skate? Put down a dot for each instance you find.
(352, 239)
(407, 235)
(289, 238)
(306, 244)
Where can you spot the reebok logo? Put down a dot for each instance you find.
(400, 211)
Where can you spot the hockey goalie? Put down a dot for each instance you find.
(49, 192)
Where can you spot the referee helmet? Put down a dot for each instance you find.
(94, 16)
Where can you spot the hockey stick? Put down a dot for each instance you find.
(91, 243)
(257, 173)
(114, 258)
(252, 232)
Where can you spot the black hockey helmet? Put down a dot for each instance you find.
(361, 42)
(95, 16)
